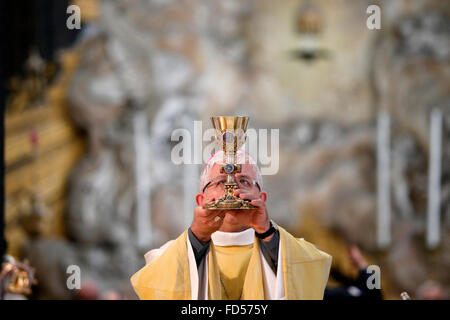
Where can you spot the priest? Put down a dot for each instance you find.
(233, 254)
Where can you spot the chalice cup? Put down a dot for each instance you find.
(230, 134)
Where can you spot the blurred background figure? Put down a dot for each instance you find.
(353, 288)
(93, 113)
(430, 290)
(88, 291)
(111, 295)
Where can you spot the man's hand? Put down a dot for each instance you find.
(258, 218)
(206, 222)
(357, 258)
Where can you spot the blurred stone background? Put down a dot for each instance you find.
(311, 69)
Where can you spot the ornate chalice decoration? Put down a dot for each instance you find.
(230, 136)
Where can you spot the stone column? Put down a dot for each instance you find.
(144, 230)
(434, 180)
(383, 180)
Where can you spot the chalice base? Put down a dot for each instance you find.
(229, 204)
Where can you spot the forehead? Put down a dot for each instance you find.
(246, 169)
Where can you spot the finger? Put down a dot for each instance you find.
(205, 212)
(246, 196)
(216, 222)
(221, 212)
(240, 193)
(257, 202)
(212, 224)
(218, 217)
(216, 213)
(201, 212)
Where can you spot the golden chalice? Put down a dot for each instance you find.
(230, 136)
